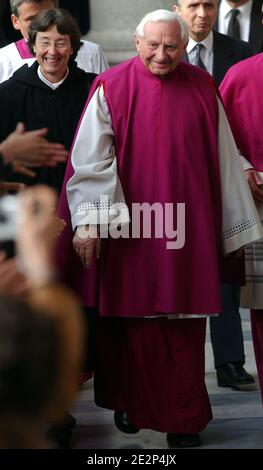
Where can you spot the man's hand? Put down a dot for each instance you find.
(87, 243)
(31, 148)
(256, 185)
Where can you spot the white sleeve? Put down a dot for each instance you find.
(94, 191)
(101, 63)
(5, 68)
(241, 223)
(91, 58)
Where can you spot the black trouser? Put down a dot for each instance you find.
(90, 324)
(226, 329)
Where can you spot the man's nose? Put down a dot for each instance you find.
(202, 11)
(160, 53)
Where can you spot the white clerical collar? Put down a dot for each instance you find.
(54, 86)
(245, 9)
(207, 42)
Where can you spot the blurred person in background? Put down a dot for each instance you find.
(216, 53)
(243, 101)
(41, 337)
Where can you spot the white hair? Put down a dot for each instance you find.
(163, 16)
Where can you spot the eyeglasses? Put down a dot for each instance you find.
(46, 44)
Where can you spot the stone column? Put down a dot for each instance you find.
(113, 23)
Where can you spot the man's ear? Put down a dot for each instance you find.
(175, 8)
(137, 43)
(15, 22)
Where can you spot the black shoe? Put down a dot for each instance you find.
(233, 375)
(183, 440)
(61, 433)
(122, 423)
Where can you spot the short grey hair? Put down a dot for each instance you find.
(15, 4)
(163, 16)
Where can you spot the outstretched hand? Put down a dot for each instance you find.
(32, 149)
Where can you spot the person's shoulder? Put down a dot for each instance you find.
(89, 46)
(8, 50)
(91, 58)
(7, 86)
(246, 67)
(231, 43)
(76, 73)
(116, 70)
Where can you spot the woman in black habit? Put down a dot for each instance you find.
(51, 93)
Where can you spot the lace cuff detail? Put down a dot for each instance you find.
(242, 234)
(242, 227)
(102, 212)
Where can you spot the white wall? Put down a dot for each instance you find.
(113, 23)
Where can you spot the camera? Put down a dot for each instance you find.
(8, 218)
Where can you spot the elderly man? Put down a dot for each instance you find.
(150, 133)
(217, 53)
(90, 57)
(242, 19)
(240, 94)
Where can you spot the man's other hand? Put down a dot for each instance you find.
(87, 243)
(256, 185)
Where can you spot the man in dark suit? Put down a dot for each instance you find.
(216, 53)
(247, 17)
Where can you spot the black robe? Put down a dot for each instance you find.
(24, 97)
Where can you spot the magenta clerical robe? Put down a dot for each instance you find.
(165, 135)
(243, 100)
(166, 142)
(244, 106)
(241, 92)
